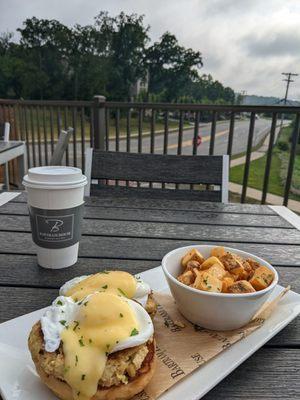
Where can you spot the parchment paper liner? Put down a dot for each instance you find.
(182, 348)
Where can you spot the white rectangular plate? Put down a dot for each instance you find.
(18, 380)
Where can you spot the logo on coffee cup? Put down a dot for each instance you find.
(55, 224)
(56, 229)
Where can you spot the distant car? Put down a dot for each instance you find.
(197, 141)
(257, 116)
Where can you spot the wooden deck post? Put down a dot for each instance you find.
(99, 122)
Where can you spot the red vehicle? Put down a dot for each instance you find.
(198, 140)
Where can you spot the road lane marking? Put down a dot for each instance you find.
(188, 143)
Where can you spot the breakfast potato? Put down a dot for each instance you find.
(261, 278)
(217, 271)
(240, 273)
(191, 265)
(246, 265)
(209, 262)
(207, 282)
(241, 287)
(253, 264)
(193, 255)
(218, 252)
(187, 278)
(197, 272)
(226, 282)
(231, 261)
(224, 272)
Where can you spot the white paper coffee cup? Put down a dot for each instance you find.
(55, 202)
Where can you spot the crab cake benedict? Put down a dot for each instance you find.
(99, 347)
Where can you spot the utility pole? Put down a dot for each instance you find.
(288, 81)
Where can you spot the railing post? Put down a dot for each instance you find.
(269, 158)
(99, 122)
(248, 157)
(294, 142)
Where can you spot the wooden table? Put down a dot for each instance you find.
(134, 235)
(11, 150)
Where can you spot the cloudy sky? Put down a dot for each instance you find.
(245, 44)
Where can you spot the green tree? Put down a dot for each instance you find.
(171, 67)
(127, 37)
(45, 45)
(53, 61)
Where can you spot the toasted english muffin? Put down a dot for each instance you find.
(127, 372)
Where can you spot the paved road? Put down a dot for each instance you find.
(239, 140)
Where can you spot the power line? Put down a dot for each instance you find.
(288, 81)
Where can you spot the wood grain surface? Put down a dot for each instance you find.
(133, 234)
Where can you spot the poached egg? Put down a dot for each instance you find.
(139, 289)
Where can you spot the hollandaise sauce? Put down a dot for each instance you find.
(117, 282)
(103, 320)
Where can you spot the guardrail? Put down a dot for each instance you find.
(129, 126)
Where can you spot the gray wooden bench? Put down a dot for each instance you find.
(202, 178)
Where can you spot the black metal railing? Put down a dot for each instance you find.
(145, 127)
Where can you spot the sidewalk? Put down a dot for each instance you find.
(257, 194)
(258, 153)
(271, 198)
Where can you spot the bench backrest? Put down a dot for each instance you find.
(190, 172)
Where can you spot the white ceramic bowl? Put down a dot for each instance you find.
(216, 311)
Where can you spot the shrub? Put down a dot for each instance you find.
(283, 146)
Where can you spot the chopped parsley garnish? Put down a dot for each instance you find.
(76, 360)
(106, 353)
(66, 369)
(59, 303)
(122, 292)
(83, 377)
(76, 323)
(81, 342)
(108, 346)
(85, 304)
(90, 341)
(104, 272)
(76, 299)
(104, 287)
(63, 322)
(78, 393)
(134, 332)
(121, 315)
